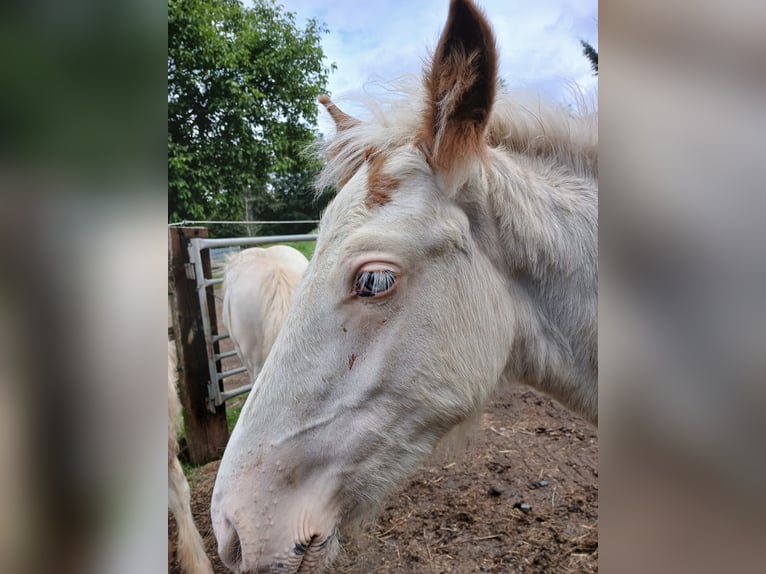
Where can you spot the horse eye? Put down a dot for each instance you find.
(372, 283)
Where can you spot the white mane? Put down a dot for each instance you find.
(258, 288)
(519, 123)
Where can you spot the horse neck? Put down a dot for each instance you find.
(539, 227)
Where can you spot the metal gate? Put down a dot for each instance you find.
(216, 396)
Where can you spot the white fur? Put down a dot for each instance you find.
(259, 284)
(497, 280)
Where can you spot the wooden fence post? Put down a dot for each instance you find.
(206, 432)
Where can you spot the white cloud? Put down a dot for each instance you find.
(538, 41)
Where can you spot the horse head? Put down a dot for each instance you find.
(406, 319)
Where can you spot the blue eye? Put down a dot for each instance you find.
(375, 282)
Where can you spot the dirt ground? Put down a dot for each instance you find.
(462, 511)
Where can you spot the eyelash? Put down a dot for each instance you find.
(374, 283)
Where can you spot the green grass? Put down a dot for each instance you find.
(305, 247)
(233, 408)
(188, 467)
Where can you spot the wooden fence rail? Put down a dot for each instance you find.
(206, 430)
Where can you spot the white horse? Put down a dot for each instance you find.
(459, 252)
(258, 286)
(190, 548)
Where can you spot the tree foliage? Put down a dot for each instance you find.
(242, 90)
(592, 55)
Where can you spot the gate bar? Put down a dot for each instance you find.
(213, 391)
(205, 243)
(234, 392)
(216, 396)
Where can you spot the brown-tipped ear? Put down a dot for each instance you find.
(342, 120)
(460, 89)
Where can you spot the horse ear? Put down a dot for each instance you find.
(460, 89)
(342, 120)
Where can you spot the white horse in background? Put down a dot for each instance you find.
(459, 253)
(190, 548)
(258, 286)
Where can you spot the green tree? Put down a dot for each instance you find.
(592, 55)
(242, 90)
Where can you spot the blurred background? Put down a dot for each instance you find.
(83, 196)
(682, 392)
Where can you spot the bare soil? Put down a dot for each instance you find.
(464, 513)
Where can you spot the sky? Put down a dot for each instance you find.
(374, 41)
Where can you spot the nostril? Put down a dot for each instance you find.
(230, 547)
